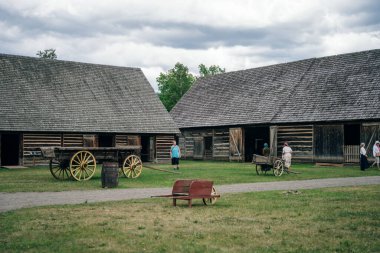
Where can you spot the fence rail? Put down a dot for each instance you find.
(351, 153)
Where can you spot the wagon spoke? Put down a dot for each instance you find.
(132, 166)
(58, 169)
(82, 165)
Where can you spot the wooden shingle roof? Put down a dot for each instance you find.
(336, 88)
(63, 96)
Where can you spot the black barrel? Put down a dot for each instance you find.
(110, 175)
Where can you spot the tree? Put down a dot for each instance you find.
(212, 70)
(174, 84)
(47, 54)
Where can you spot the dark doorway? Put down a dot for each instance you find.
(208, 147)
(105, 140)
(10, 149)
(145, 148)
(352, 134)
(255, 137)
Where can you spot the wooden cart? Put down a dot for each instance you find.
(189, 189)
(79, 163)
(267, 163)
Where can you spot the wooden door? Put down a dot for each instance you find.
(199, 148)
(236, 144)
(328, 143)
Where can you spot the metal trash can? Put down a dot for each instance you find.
(110, 175)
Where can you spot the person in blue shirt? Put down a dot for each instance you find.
(175, 154)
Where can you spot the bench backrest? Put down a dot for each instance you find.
(201, 187)
(181, 186)
(192, 187)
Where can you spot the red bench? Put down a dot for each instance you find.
(189, 189)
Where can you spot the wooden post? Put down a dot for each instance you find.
(21, 150)
(0, 149)
(273, 141)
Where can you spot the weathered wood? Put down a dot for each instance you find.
(330, 164)
(299, 138)
(163, 144)
(31, 146)
(72, 140)
(328, 145)
(351, 153)
(236, 144)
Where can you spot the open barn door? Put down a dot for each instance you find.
(273, 141)
(236, 144)
(10, 149)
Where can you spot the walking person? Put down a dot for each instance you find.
(175, 154)
(363, 157)
(376, 154)
(287, 155)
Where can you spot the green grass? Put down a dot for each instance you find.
(345, 219)
(40, 179)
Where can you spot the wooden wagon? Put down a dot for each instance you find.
(267, 163)
(79, 163)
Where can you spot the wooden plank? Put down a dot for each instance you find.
(330, 164)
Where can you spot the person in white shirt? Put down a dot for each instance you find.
(363, 157)
(376, 153)
(287, 155)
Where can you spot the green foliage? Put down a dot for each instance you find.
(174, 84)
(209, 71)
(47, 54)
(177, 81)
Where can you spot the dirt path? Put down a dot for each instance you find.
(12, 201)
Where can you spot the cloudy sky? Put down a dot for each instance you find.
(154, 35)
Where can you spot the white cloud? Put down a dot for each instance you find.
(350, 42)
(154, 35)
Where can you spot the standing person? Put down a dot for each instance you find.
(363, 157)
(376, 153)
(175, 154)
(287, 155)
(266, 150)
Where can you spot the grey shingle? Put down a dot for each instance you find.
(336, 88)
(63, 96)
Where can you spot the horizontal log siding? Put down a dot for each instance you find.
(299, 138)
(163, 144)
(72, 140)
(33, 142)
(220, 143)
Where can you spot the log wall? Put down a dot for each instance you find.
(192, 144)
(299, 138)
(163, 144)
(31, 147)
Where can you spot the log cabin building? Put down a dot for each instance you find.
(323, 107)
(62, 103)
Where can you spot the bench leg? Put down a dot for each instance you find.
(174, 202)
(190, 203)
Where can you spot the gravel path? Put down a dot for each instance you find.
(12, 201)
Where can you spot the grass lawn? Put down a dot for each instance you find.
(40, 179)
(345, 219)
